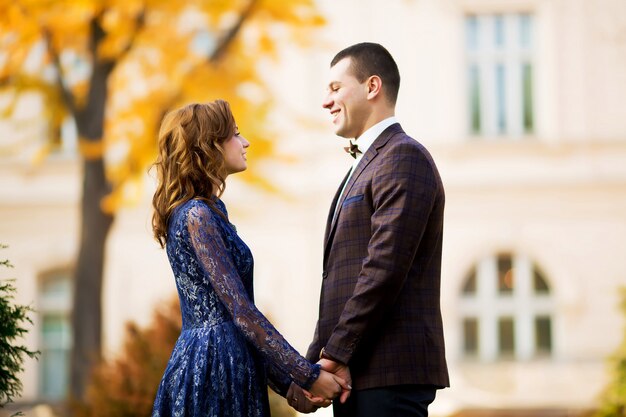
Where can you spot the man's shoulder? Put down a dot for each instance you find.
(404, 150)
(401, 143)
(395, 136)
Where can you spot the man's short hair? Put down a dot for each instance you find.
(369, 59)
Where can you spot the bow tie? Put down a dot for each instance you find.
(353, 149)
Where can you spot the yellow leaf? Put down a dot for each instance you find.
(162, 55)
(90, 149)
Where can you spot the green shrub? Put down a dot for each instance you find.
(13, 319)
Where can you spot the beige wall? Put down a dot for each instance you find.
(558, 197)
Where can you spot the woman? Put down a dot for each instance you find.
(227, 349)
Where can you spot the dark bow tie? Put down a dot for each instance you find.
(353, 149)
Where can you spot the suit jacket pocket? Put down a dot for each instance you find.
(352, 199)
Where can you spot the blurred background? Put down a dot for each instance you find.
(521, 102)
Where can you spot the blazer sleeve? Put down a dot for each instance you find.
(313, 352)
(405, 187)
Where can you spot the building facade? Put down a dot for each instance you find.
(521, 103)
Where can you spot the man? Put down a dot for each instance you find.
(379, 317)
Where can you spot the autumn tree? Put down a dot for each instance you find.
(114, 67)
(126, 385)
(613, 399)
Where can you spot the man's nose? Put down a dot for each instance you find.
(328, 102)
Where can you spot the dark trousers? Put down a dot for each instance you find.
(393, 401)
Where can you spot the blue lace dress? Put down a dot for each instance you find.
(227, 349)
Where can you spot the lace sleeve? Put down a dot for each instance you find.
(277, 380)
(209, 247)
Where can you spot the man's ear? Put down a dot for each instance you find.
(374, 86)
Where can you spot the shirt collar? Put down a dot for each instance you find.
(369, 136)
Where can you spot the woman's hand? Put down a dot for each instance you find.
(340, 370)
(328, 386)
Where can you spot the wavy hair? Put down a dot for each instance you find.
(190, 163)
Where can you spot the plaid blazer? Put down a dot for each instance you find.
(379, 305)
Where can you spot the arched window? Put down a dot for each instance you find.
(54, 309)
(506, 310)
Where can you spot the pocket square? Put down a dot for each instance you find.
(352, 199)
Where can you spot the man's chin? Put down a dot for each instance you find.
(342, 133)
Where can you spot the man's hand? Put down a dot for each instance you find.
(298, 399)
(341, 371)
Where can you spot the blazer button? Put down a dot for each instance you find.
(324, 274)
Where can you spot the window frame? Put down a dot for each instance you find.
(525, 304)
(500, 74)
(59, 309)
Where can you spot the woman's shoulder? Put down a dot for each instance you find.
(198, 209)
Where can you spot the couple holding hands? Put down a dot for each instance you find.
(378, 348)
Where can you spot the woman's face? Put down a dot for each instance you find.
(235, 153)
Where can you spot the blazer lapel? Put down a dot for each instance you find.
(363, 163)
(371, 153)
(331, 212)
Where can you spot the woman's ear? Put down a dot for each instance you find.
(374, 86)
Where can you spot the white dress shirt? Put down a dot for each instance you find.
(364, 142)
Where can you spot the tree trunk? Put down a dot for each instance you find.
(95, 226)
(87, 312)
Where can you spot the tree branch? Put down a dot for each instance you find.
(227, 39)
(140, 22)
(68, 96)
(221, 47)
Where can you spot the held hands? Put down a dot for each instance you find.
(327, 387)
(339, 370)
(303, 401)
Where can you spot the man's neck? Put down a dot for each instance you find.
(377, 117)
